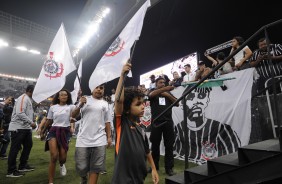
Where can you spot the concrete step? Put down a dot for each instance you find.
(196, 173)
(257, 151)
(223, 164)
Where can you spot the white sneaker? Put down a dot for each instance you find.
(63, 170)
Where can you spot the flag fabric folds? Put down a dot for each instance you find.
(58, 65)
(77, 86)
(110, 65)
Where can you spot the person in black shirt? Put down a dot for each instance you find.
(160, 99)
(132, 147)
(261, 61)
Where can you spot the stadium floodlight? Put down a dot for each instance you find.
(3, 43)
(92, 28)
(30, 79)
(34, 51)
(18, 77)
(106, 11)
(22, 48)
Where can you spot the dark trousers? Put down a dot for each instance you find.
(19, 138)
(4, 146)
(167, 130)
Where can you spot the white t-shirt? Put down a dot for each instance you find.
(60, 114)
(189, 77)
(152, 85)
(239, 55)
(95, 114)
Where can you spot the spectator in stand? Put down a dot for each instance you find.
(59, 134)
(226, 68)
(242, 56)
(8, 105)
(21, 134)
(167, 80)
(202, 71)
(261, 61)
(190, 76)
(143, 89)
(177, 80)
(153, 82)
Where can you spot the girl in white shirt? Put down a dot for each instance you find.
(59, 134)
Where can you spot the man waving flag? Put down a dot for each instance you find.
(58, 65)
(111, 63)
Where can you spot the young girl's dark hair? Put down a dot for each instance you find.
(129, 95)
(166, 79)
(220, 56)
(56, 97)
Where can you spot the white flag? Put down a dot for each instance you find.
(76, 86)
(110, 65)
(58, 65)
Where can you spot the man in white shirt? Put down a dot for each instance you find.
(190, 76)
(93, 136)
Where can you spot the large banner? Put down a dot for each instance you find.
(219, 118)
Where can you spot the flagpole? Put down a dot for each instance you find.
(79, 81)
(125, 73)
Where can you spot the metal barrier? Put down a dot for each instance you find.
(269, 103)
